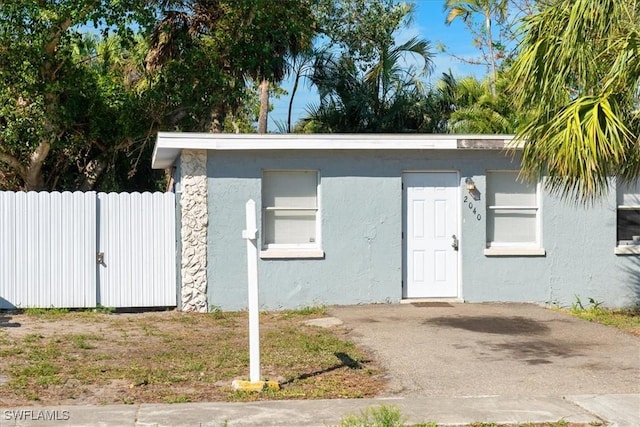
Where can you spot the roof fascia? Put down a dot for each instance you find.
(169, 144)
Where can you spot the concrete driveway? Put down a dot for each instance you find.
(457, 350)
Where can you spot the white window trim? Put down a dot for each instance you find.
(517, 248)
(627, 250)
(285, 253)
(515, 251)
(299, 250)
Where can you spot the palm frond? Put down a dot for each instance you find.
(584, 144)
(578, 76)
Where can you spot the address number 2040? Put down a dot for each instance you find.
(472, 208)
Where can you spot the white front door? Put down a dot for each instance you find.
(430, 222)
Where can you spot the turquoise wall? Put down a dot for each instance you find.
(361, 235)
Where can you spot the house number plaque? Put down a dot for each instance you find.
(469, 204)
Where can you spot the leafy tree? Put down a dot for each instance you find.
(288, 30)
(365, 87)
(80, 111)
(44, 100)
(578, 74)
(114, 118)
(360, 28)
(385, 98)
(243, 39)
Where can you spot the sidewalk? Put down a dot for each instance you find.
(620, 410)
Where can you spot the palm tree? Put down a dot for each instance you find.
(388, 97)
(249, 39)
(388, 76)
(489, 9)
(183, 30)
(578, 75)
(300, 66)
(474, 109)
(345, 98)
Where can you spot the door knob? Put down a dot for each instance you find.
(454, 244)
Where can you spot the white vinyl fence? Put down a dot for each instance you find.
(87, 249)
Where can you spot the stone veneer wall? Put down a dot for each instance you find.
(193, 203)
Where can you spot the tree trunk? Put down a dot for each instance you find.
(217, 117)
(92, 172)
(33, 179)
(494, 75)
(14, 164)
(293, 94)
(264, 106)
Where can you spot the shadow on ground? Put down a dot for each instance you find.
(345, 361)
(5, 322)
(537, 352)
(514, 325)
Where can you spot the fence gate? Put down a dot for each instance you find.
(136, 250)
(83, 249)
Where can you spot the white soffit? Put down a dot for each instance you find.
(170, 144)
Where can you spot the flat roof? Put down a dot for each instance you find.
(170, 144)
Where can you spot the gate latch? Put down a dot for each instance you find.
(100, 258)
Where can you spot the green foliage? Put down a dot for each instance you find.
(216, 312)
(578, 74)
(474, 108)
(490, 11)
(579, 306)
(320, 310)
(276, 29)
(171, 363)
(103, 310)
(624, 319)
(381, 416)
(360, 28)
(46, 312)
(81, 111)
(81, 341)
(371, 91)
(57, 103)
(215, 48)
(177, 399)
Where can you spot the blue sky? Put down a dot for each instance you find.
(428, 23)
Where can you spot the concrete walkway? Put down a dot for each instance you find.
(616, 410)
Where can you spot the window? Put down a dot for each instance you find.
(290, 214)
(513, 223)
(628, 216)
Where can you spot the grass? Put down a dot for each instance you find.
(627, 320)
(45, 312)
(391, 416)
(319, 310)
(560, 423)
(379, 416)
(98, 357)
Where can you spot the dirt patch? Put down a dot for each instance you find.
(170, 357)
